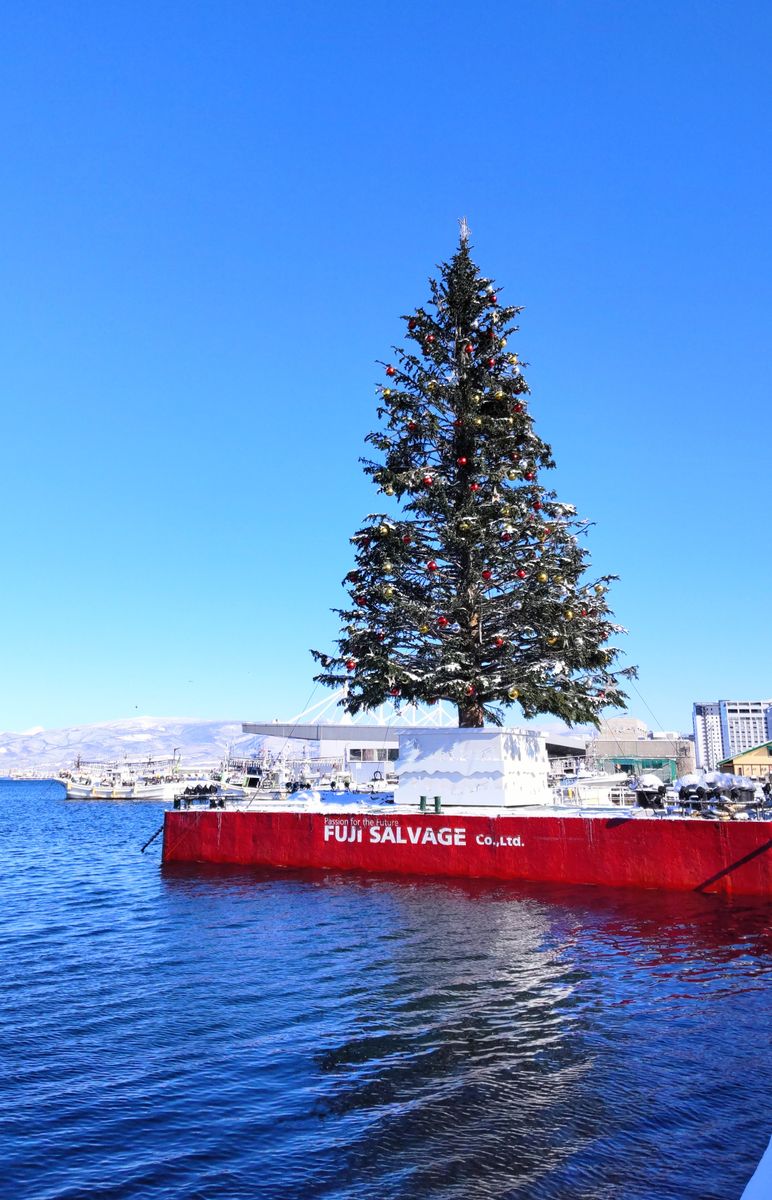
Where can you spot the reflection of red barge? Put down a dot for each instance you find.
(632, 849)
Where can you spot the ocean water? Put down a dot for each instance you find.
(225, 1034)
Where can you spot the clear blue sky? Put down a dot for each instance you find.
(213, 215)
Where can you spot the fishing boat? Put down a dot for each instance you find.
(481, 806)
(160, 780)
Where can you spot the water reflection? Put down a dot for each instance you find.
(486, 1039)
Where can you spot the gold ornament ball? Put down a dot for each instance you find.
(432, 384)
(569, 614)
(463, 526)
(558, 579)
(477, 395)
(499, 395)
(512, 474)
(388, 566)
(388, 490)
(478, 420)
(512, 359)
(502, 342)
(551, 641)
(387, 391)
(388, 592)
(423, 628)
(383, 530)
(513, 693)
(599, 590)
(542, 577)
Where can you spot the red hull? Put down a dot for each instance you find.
(712, 856)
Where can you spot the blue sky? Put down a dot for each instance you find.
(213, 215)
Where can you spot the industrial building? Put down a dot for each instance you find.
(625, 744)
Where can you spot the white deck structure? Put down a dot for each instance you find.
(368, 744)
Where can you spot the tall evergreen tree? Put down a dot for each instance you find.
(475, 590)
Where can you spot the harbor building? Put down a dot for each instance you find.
(664, 754)
(756, 763)
(623, 728)
(724, 728)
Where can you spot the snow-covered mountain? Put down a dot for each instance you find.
(198, 743)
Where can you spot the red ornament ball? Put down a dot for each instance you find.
(395, 691)
(412, 426)
(442, 622)
(360, 599)
(428, 480)
(474, 487)
(429, 339)
(506, 537)
(353, 577)
(494, 298)
(458, 423)
(518, 408)
(412, 323)
(469, 348)
(521, 574)
(351, 664)
(499, 642)
(584, 612)
(469, 689)
(536, 505)
(390, 370)
(491, 363)
(431, 565)
(530, 475)
(487, 574)
(406, 538)
(462, 461)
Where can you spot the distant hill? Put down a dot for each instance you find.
(198, 743)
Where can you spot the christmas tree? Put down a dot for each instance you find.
(474, 587)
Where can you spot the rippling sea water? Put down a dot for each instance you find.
(225, 1034)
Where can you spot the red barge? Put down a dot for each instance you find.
(621, 849)
(496, 817)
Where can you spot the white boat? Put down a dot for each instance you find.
(594, 789)
(158, 780)
(380, 783)
(264, 778)
(102, 787)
